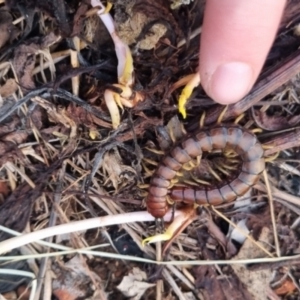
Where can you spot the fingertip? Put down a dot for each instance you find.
(230, 82)
(236, 38)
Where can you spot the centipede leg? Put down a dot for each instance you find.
(199, 180)
(238, 119)
(228, 167)
(202, 119)
(143, 186)
(189, 166)
(273, 157)
(172, 182)
(221, 116)
(189, 182)
(267, 146)
(150, 161)
(170, 201)
(148, 172)
(155, 151)
(222, 170)
(214, 173)
(230, 153)
(179, 174)
(256, 130)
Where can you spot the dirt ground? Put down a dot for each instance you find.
(74, 184)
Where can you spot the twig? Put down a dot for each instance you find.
(23, 101)
(173, 284)
(271, 202)
(285, 140)
(52, 221)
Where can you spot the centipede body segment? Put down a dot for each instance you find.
(243, 142)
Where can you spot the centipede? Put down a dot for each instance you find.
(231, 137)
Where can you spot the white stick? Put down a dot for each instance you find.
(140, 216)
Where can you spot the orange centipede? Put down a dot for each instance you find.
(242, 141)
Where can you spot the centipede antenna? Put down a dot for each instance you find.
(238, 119)
(272, 158)
(221, 116)
(214, 173)
(202, 119)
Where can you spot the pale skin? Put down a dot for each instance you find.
(236, 38)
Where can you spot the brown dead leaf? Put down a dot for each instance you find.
(175, 129)
(4, 190)
(219, 287)
(257, 282)
(9, 296)
(7, 30)
(16, 210)
(113, 167)
(9, 87)
(38, 117)
(73, 280)
(17, 137)
(23, 292)
(58, 115)
(78, 19)
(7, 148)
(134, 285)
(287, 287)
(81, 116)
(50, 132)
(9, 152)
(24, 58)
(9, 126)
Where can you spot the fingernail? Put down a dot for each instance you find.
(231, 82)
